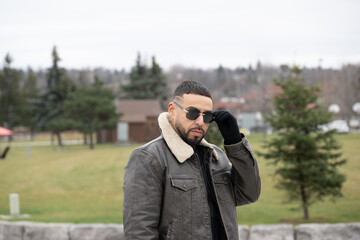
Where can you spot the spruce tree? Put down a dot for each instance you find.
(158, 80)
(9, 95)
(306, 158)
(29, 91)
(91, 109)
(146, 83)
(49, 106)
(139, 86)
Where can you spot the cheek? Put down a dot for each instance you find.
(183, 122)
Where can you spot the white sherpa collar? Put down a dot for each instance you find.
(178, 147)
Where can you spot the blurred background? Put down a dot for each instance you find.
(77, 73)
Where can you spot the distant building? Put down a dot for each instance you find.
(249, 121)
(250, 108)
(252, 122)
(137, 124)
(233, 105)
(260, 100)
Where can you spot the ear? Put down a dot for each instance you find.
(171, 109)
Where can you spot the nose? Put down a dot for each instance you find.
(200, 120)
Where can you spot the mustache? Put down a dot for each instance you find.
(197, 128)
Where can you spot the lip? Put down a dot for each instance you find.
(197, 132)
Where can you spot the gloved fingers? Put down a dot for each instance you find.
(222, 116)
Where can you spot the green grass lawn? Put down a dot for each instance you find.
(80, 185)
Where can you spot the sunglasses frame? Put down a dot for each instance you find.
(200, 113)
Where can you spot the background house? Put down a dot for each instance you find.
(138, 122)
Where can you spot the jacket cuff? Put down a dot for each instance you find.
(241, 150)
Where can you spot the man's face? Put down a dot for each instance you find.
(191, 131)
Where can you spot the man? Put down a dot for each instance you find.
(179, 186)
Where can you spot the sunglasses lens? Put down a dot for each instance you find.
(193, 114)
(208, 117)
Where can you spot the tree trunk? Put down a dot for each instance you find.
(59, 139)
(305, 212)
(91, 141)
(52, 140)
(304, 203)
(85, 138)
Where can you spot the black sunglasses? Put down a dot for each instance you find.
(194, 113)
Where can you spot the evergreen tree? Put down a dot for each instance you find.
(139, 86)
(214, 136)
(220, 76)
(49, 107)
(146, 83)
(159, 83)
(91, 109)
(9, 95)
(30, 91)
(306, 158)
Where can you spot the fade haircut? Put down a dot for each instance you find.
(191, 87)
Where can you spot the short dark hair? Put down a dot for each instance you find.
(191, 87)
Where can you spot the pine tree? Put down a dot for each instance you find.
(307, 159)
(9, 95)
(49, 107)
(213, 136)
(29, 91)
(139, 86)
(146, 83)
(220, 76)
(159, 83)
(91, 109)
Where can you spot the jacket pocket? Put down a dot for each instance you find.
(184, 192)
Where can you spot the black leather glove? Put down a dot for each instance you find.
(228, 127)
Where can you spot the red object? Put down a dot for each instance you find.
(5, 132)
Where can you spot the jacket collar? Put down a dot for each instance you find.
(177, 146)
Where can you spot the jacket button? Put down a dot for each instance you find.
(206, 220)
(185, 186)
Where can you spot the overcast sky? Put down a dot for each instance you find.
(193, 33)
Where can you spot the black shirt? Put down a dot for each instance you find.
(216, 223)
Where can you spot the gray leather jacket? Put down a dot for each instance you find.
(165, 195)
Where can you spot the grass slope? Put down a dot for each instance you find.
(79, 185)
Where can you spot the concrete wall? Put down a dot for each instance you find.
(52, 231)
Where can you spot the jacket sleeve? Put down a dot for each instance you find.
(143, 187)
(244, 173)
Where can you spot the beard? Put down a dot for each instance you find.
(185, 135)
